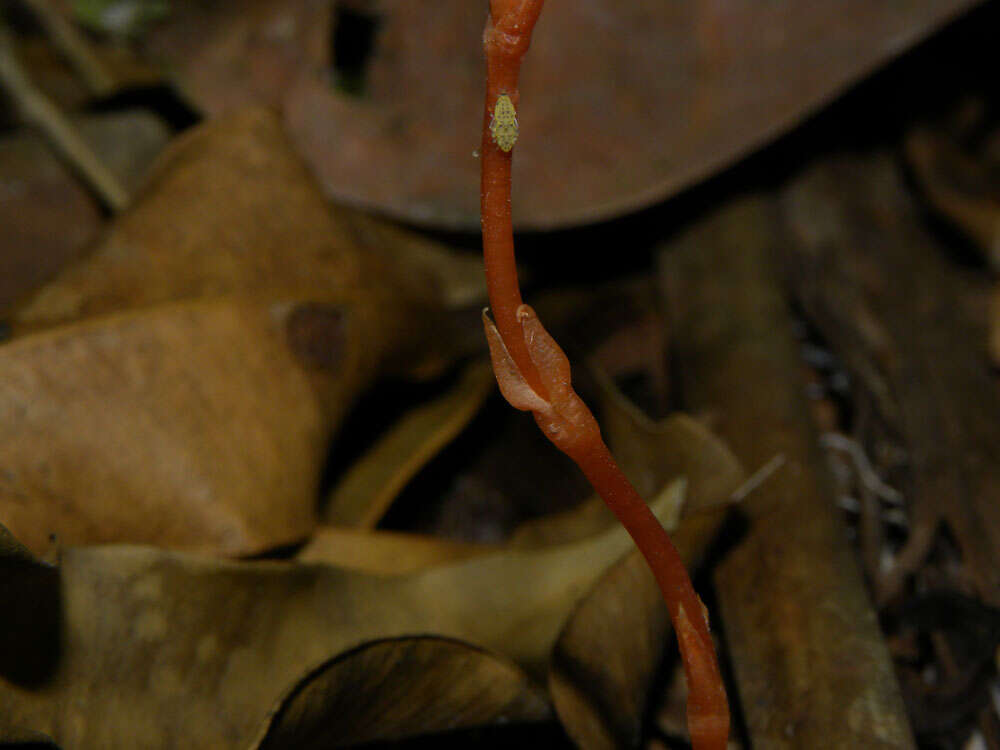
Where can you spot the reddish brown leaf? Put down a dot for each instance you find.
(623, 103)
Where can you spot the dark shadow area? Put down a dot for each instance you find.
(547, 735)
(352, 41)
(31, 602)
(162, 99)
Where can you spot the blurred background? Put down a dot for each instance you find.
(257, 487)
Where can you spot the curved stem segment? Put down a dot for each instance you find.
(534, 375)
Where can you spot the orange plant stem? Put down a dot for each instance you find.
(707, 708)
(506, 40)
(534, 375)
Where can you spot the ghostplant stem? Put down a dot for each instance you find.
(506, 39)
(607, 479)
(557, 409)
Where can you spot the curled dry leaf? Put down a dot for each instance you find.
(960, 185)
(607, 655)
(629, 100)
(197, 651)
(365, 493)
(189, 426)
(447, 684)
(385, 552)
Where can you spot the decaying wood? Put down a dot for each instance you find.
(890, 304)
(810, 664)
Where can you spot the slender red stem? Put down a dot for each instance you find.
(533, 374)
(506, 40)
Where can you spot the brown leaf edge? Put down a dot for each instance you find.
(394, 688)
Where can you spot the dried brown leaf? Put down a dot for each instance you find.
(624, 103)
(188, 426)
(231, 210)
(162, 649)
(447, 684)
(367, 490)
(211, 416)
(386, 552)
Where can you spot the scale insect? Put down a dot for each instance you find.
(503, 126)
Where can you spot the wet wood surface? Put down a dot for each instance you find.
(810, 664)
(897, 311)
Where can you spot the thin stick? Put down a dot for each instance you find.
(40, 111)
(534, 375)
(74, 46)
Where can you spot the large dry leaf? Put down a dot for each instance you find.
(207, 421)
(202, 426)
(624, 101)
(598, 679)
(189, 426)
(367, 490)
(230, 209)
(160, 649)
(447, 685)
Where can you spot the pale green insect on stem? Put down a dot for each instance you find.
(503, 126)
